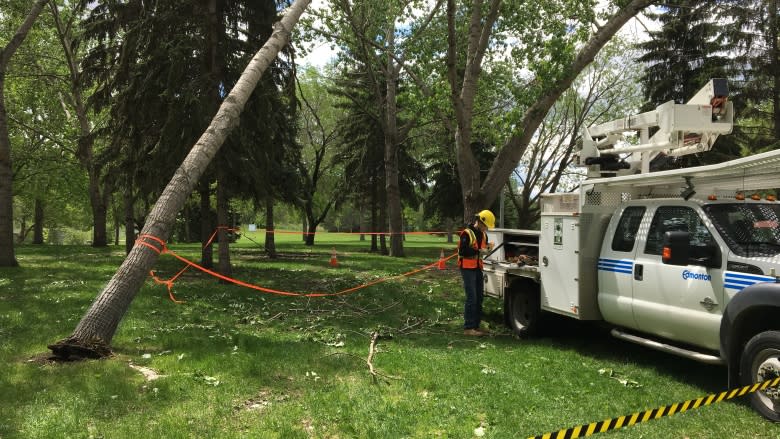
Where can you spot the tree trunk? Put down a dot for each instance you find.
(38, 226)
(7, 256)
(92, 336)
(311, 231)
(98, 196)
(374, 222)
(206, 226)
(450, 225)
(117, 223)
(223, 222)
(99, 212)
(270, 243)
(128, 202)
(383, 223)
(391, 151)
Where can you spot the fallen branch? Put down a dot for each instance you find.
(371, 352)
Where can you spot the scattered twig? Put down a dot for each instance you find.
(408, 326)
(279, 314)
(371, 352)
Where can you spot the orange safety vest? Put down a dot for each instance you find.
(472, 262)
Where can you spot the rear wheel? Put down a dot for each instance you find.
(524, 312)
(760, 362)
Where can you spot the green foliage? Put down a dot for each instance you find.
(751, 32)
(177, 60)
(42, 126)
(236, 363)
(680, 58)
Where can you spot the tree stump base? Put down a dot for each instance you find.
(71, 349)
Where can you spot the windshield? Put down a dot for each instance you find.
(749, 229)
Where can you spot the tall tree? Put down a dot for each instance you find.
(377, 34)
(93, 334)
(751, 31)
(683, 54)
(7, 256)
(100, 183)
(318, 136)
(555, 55)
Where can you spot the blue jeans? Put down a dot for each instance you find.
(474, 286)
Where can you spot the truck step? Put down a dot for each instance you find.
(654, 344)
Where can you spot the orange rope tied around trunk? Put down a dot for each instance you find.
(169, 282)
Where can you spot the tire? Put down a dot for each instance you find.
(524, 312)
(760, 362)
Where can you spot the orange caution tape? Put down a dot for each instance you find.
(169, 282)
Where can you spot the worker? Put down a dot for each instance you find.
(473, 242)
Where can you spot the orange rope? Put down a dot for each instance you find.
(292, 232)
(169, 282)
(213, 235)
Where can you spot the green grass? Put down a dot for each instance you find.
(239, 363)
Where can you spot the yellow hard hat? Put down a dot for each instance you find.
(488, 218)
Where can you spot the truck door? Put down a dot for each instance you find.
(616, 267)
(680, 303)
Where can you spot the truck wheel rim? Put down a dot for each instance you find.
(766, 366)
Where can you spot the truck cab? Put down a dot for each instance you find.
(727, 246)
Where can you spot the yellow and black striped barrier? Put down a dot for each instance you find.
(656, 413)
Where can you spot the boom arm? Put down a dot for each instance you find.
(682, 129)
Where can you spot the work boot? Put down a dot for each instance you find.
(473, 332)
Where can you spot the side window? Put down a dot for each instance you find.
(625, 234)
(677, 218)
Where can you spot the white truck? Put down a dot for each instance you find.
(685, 261)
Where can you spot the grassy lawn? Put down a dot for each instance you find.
(239, 363)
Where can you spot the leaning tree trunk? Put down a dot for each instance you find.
(7, 256)
(92, 336)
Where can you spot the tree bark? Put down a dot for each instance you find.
(206, 226)
(391, 150)
(99, 205)
(374, 221)
(270, 243)
(7, 255)
(128, 202)
(223, 222)
(92, 336)
(38, 226)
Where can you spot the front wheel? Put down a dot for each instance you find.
(524, 312)
(761, 362)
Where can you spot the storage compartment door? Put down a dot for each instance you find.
(559, 264)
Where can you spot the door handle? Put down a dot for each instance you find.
(638, 271)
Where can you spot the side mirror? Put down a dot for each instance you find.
(676, 249)
(711, 256)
